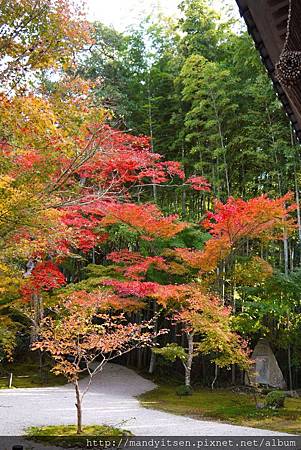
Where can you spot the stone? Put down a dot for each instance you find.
(265, 369)
(292, 394)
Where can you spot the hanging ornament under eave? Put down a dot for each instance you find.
(288, 69)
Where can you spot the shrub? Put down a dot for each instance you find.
(183, 390)
(275, 400)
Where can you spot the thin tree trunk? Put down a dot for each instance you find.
(297, 193)
(184, 211)
(184, 197)
(289, 360)
(275, 151)
(222, 143)
(152, 364)
(38, 314)
(139, 359)
(286, 254)
(78, 405)
(138, 351)
(292, 257)
(289, 357)
(204, 372)
(189, 360)
(233, 374)
(215, 377)
(223, 282)
(151, 133)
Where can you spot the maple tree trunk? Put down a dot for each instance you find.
(38, 308)
(152, 364)
(184, 204)
(189, 360)
(215, 376)
(78, 405)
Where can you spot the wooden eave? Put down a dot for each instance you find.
(267, 24)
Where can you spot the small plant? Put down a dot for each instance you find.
(76, 341)
(183, 391)
(275, 400)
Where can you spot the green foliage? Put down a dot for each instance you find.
(191, 237)
(119, 61)
(202, 29)
(184, 391)
(209, 89)
(92, 276)
(271, 308)
(172, 352)
(8, 330)
(275, 400)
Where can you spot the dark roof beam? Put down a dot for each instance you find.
(267, 23)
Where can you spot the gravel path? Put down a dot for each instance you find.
(111, 401)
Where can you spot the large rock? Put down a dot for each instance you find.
(265, 369)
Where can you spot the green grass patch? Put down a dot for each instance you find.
(226, 406)
(66, 436)
(28, 375)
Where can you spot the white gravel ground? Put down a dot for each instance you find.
(111, 401)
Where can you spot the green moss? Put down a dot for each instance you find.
(226, 406)
(66, 436)
(183, 390)
(27, 375)
(275, 399)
